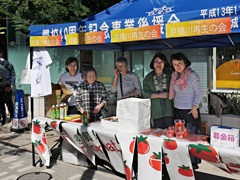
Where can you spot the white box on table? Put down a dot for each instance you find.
(133, 114)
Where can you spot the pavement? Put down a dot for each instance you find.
(16, 162)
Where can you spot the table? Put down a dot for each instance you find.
(118, 149)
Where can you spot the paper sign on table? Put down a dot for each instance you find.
(149, 157)
(127, 142)
(39, 139)
(112, 148)
(177, 159)
(224, 136)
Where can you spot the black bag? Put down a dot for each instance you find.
(3, 83)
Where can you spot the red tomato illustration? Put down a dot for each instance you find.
(143, 145)
(170, 144)
(204, 152)
(44, 138)
(166, 158)
(233, 170)
(228, 171)
(131, 147)
(234, 165)
(127, 171)
(36, 127)
(185, 171)
(155, 161)
(40, 146)
(54, 124)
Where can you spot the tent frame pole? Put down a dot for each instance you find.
(214, 66)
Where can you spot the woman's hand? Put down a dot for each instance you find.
(163, 95)
(81, 111)
(116, 73)
(97, 108)
(194, 112)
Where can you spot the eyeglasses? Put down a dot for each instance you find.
(179, 64)
(158, 62)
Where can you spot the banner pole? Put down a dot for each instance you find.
(32, 111)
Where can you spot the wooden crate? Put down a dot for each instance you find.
(205, 127)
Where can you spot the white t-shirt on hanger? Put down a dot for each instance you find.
(40, 75)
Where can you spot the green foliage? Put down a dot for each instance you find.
(24, 13)
(233, 102)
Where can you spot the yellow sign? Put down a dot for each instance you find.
(199, 27)
(45, 41)
(85, 38)
(228, 75)
(136, 34)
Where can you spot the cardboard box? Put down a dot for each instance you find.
(71, 155)
(59, 93)
(205, 127)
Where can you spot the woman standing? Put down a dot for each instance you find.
(125, 83)
(186, 90)
(91, 96)
(72, 79)
(156, 86)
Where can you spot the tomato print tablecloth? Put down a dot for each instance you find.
(118, 149)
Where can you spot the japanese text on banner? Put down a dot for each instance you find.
(199, 27)
(36, 41)
(136, 34)
(85, 38)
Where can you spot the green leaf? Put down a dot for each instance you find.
(142, 139)
(200, 148)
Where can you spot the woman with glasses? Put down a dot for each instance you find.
(72, 79)
(156, 87)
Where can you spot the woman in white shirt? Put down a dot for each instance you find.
(72, 79)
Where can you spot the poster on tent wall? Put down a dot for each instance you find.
(228, 75)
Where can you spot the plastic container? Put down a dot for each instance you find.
(57, 112)
(186, 131)
(170, 132)
(53, 112)
(180, 134)
(179, 124)
(61, 111)
(65, 109)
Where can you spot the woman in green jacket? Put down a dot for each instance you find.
(156, 87)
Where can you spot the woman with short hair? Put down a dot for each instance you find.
(186, 92)
(91, 96)
(125, 83)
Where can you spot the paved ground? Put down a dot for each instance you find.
(16, 163)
